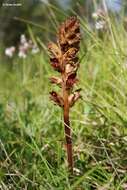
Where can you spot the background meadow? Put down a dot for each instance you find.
(32, 144)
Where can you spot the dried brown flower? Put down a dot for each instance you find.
(63, 58)
(56, 98)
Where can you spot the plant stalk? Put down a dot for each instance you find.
(68, 131)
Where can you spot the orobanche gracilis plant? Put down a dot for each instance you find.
(64, 60)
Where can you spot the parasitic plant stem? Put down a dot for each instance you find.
(64, 59)
(68, 130)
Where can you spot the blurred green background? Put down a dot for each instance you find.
(40, 12)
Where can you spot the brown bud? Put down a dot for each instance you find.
(71, 67)
(74, 97)
(71, 80)
(61, 35)
(55, 64)
(69, 34)
(71, 99)
(54, 49)
(58, 100)
(73, 39)
(56, 80)
(69, 55)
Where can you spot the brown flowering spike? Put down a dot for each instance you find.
(63, 58)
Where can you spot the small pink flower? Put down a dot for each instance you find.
(10, 51)
(23, 39)
(22, 54)
(35, 49)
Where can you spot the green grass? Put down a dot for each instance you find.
(32, 151)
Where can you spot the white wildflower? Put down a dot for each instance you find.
(23, 49)
(95, 15)
(22, 54)
(26, 45)
(23, 39)
(100, 13)
(35, 49)
(10, 51)
(99, 25)
(77, 171)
